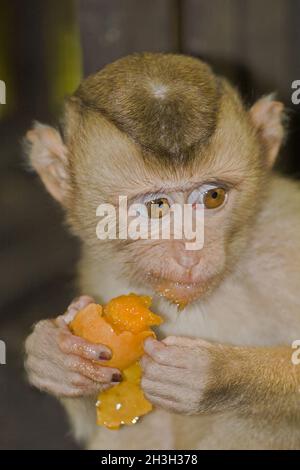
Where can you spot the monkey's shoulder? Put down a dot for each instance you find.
(278, 226)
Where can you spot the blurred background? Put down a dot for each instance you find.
(46, 47)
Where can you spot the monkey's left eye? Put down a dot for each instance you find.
(214, 198)
(157, 208)
(209, 195)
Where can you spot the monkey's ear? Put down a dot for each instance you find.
(48, 156)
(267, 116)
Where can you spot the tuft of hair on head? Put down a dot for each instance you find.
(166, 103)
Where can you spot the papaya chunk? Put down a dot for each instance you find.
(123, 325)
(124, 403)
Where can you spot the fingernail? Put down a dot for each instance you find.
(78, 302)
(116, 377)
(148, 345)
(104, 356)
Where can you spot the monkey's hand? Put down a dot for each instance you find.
(176, 373)
(192, 376)
(63, 364)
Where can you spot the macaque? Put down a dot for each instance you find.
(159, 128)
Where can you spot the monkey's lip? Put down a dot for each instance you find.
(179, 292)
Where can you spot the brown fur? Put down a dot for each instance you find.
(165, 104)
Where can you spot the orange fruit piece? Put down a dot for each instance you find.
(131, 313)
(124, 403)
(122, 325)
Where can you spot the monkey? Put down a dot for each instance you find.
(162, 128)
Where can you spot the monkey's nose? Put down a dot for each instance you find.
(187, 258)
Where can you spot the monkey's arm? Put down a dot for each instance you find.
(192, 376)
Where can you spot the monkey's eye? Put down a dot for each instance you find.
(157, 208)
(211, 196)
(214, 198)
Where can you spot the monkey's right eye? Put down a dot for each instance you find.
(157, 208)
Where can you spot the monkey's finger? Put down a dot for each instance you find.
(37, 367)
(68, 390)
(42, 371)
(86, 385)
(166, 355)
(154, 371)
(167, 391)
(75, 306)
(168, 405)
(91, 370)
(71, 344)
(182, 341)
(166, 374)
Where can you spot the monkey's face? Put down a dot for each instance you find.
(222, 179)
(162, 130)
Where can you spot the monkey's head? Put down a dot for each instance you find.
(162, 129)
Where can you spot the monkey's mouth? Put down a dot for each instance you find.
(178, 292)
